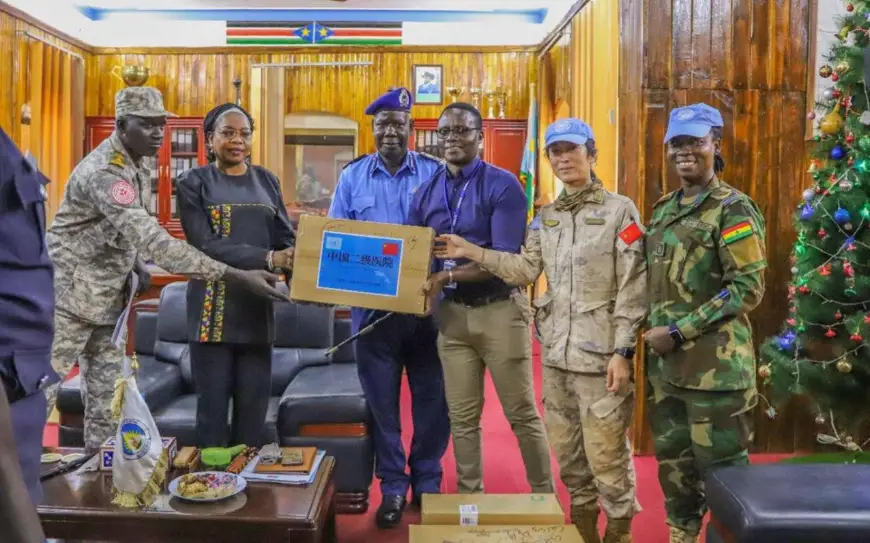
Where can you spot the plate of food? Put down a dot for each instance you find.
(207, 486)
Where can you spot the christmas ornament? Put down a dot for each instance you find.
(856, 337)
(838, 315)
(842, 216)
(811, 115)
(843, 34)
(830, 333)
(836, 93)
(826, 71)
(848, 270)
(850, 138)
(837, 152)
(822, 234)
(832, 123)
(794, 271)
(786, 341)
(764, 371)
(846, 185)
(807, 213)
(866, 319)
(844, 366)
(809, 194)
(835, 78)
(828, 94)
(865, 118)
(804, 289)
(850, 8)
(820, 419)
(842, 67)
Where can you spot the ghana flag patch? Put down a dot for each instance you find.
(737, 232)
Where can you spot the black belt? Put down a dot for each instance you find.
(479, 301)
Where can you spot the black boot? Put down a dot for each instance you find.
(389, 514)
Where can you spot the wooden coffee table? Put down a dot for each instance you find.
(79, 507)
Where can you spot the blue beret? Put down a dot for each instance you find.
(695, 120)
(397, 99)
(571, 130)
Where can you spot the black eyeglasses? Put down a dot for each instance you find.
(459, 131)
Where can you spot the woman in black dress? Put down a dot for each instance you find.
(234, 213)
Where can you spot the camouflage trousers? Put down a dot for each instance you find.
(586, 427)
(100, 365)
(695, 430)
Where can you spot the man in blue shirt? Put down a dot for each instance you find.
(483, 322)
(378, 188)
(26, 321)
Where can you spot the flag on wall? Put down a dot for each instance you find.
(301, 33)
(527, 168)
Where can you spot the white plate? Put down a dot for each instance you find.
(238, 483)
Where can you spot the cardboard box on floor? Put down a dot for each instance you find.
(491, 509)
(566, 533)
(361, 264)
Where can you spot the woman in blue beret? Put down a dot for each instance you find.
(589, 243)
(706, 254)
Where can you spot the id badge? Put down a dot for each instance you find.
(449, 265)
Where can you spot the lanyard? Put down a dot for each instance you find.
(454, 215)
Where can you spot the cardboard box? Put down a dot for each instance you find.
(107, 452)
(565, 533)
(492, 509)
(362, 264)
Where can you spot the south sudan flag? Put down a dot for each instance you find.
(300, 33)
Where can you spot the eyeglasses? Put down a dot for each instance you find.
(458, 131)
(231, 133)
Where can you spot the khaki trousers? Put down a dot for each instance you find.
(587, 427)
(494, 337)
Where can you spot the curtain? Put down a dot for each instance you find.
(55, 135)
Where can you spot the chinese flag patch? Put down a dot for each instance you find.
(630, 233)
(390, 249)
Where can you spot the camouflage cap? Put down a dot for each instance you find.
(140, 101)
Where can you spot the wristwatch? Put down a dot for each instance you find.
(676, 335)
(625, 353)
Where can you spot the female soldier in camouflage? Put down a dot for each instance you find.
(590, 245)
(705, 248)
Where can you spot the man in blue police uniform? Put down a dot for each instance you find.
(378, 188)
(26, 306)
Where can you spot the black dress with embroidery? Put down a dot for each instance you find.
(236, 220)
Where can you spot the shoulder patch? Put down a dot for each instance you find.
(357, 159)
(630, 233)
(551, 223)
(737, 232)
(117, 160)
(123, 192)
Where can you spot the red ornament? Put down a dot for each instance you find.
(826, 269)
(867, 319)
(830, 333)
(823, 235)
(835, 78)
(819, 190)
(851, 247)
(848, 269)
(811, 115)
(856, 337)
(850, 138)
(804, 289)
(845, 103)
(850, 7)
(836, 93)
(838, 315)
(791, 322)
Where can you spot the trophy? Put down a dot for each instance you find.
(490, 95)
(454, 93)
(132, 75)
(501, 97)
(475, 97)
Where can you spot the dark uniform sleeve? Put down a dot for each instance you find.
(197, 230)
(116, 198)
(742, 252)
(285, 234)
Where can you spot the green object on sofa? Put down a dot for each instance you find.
(220, 457)
(830, 458)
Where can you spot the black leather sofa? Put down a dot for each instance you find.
(789, 503)
(316, 400)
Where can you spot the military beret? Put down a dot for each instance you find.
(398, 99)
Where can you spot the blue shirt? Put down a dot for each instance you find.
(492, 215)
(367, 191)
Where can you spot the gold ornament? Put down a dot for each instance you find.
(843, 34)
(826, 71)
(820, 419)
(844, 366)
(764, 371)
(842, 67)
(832, 123)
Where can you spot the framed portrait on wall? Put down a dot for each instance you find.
(428, 84)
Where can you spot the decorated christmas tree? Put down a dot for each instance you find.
(822, 352)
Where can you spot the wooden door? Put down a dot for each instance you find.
(503, 145)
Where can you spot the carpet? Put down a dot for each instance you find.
(503, 474)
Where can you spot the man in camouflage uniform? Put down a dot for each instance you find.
(100, 231)
(705, 246)
(589, 243)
